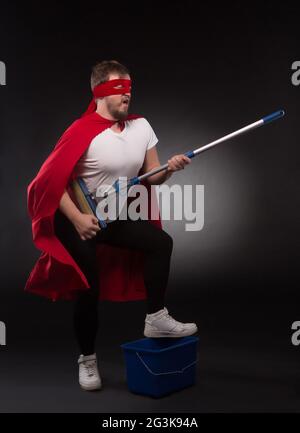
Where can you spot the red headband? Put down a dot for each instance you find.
(106, 89)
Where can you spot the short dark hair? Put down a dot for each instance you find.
(102, 70)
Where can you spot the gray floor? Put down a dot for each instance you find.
(244, 368)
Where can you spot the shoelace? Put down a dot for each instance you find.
(166, 315)
(90, 367)
(170, 318)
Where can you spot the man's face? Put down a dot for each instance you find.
(118, 105)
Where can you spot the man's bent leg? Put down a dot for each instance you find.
(157, 245)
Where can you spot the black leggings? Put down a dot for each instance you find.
(139, 235)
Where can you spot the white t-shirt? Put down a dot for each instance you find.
(111, 155)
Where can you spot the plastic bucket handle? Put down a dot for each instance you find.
(168, 372)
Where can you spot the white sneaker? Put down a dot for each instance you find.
(161, 324)
(89, 378)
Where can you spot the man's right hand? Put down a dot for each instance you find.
(86, 225)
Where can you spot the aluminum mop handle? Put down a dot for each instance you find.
(190, 154)
(117, 187)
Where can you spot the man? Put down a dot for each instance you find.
(105, 144)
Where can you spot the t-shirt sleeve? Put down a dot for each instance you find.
(152, 139)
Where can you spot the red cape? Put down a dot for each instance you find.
(56, 275)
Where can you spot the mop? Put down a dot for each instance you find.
(88, 203)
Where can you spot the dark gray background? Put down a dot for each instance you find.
(197, 75)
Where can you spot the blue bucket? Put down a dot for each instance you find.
(160, 366)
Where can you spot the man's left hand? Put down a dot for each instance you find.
(178, 162)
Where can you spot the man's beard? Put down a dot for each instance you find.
(118, 113)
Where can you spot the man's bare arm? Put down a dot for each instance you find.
(86, 225)
(177, 162)
(68, 207)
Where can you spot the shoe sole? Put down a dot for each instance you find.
(165, 334)
(89, 388)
